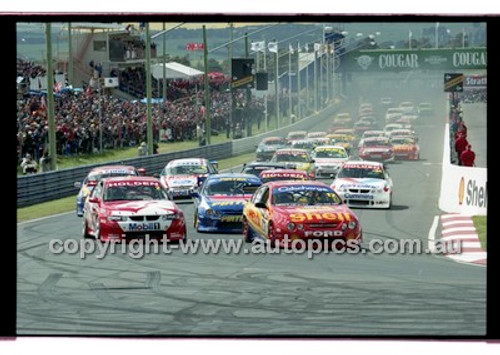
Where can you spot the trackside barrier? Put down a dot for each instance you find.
(52, 185)
(32, 189)
(464, 190)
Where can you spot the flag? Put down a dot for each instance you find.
(298, 48)
(272, 47)
(258, 46)
(290, 49)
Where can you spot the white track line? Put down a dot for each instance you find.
(432, 234)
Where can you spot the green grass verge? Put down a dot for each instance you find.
(480, 224)
(68, 204)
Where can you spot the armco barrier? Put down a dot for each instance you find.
(464, 190)
(52, 185)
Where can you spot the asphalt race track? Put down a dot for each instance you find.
(338, 295)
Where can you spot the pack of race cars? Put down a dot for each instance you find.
(275, 198)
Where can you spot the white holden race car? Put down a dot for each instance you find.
(364, 184)
(328, 159)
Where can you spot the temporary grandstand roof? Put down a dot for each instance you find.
(174, 70)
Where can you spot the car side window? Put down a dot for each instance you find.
(265, 195)
(257, 195)
(97, 192)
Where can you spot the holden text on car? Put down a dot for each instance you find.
(132, 207)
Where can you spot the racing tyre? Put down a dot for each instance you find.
(84, 230)
(247, 233)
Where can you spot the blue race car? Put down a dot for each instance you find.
(219, 203)
(95, 175)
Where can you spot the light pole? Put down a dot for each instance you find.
(207, 88)
(436, 35)
(148, 92)
(298, 83)
(50, 99)
(290, 103)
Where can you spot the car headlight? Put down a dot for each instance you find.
(352, 224)
(300, 227)
(344, 226)
(211, 213)
(117, 218)
(169, 217)
(291, 226)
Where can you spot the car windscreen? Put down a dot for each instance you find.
(281, 178)
(186, 170)
(132, 192)
(361, 173)
(377, 143)
(330, 153)
(304, 195)
(98, 176)
(292, 157)
(230, 186)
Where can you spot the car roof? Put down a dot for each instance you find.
(375, 139)
(187, 161)
(283, 171)
(231, 175)
(129, 179)
(273, 184)
(265, 163)
(267, 139)
(323, 147)
(292, 150)
(362, 162)
(112, 167)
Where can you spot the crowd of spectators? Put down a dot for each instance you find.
(474, 95)
(124, 123)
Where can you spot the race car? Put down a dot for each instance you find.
(132, 207)
(364, 125)
(405, 148)
(267, 147)
(386, 101)
(341, 140)
(219, 204)
(402, 132)
(377, 148)
(282, 174)
(255, 168)
(392, 114)
(348, 133)
(342, 119)
(284, 211)
(295, 158)
(393, 126)
(364, 184)
(425, 109)
(295, 135)
(328, 159)
(97, 174)
(408, 107)
(307, 144)
(180, 177)
(316, 134)
(321, 141)
(370, 134)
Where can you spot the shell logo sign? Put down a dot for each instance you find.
(461, 191)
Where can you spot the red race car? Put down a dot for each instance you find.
(405, 148)
(132, 207)
(282, 174)
(283, 211)
(376, 148)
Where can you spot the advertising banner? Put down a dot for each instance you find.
(394, 60)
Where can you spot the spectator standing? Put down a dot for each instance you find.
(460, 144)
(143, 149)
(28, 165)
(45, 162)
(468, 156)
